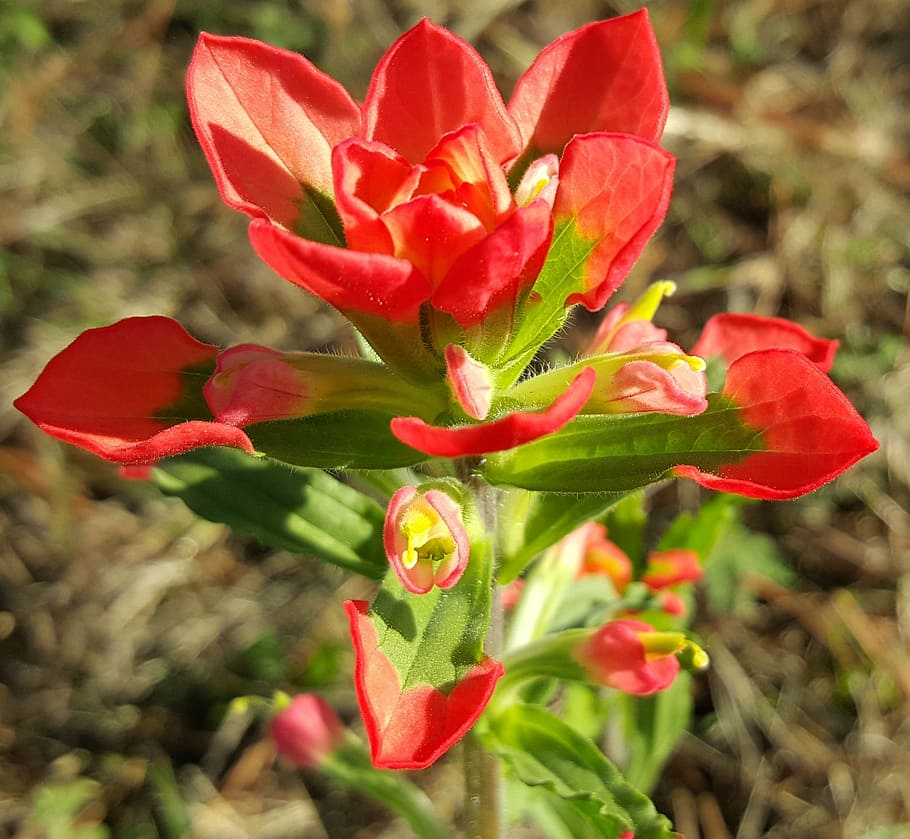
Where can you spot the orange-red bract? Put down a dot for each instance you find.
(130, 392)
(411, 728)
(809, 430)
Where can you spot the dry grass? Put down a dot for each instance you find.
(126, 625)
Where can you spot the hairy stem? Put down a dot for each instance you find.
(482, 770)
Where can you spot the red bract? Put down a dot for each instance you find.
(410, 728)
(497, 435)
(418, 173)
(605, 76)
(731, 335)
(130, 392)
(809, 430)
(267, 121)
(613, 193)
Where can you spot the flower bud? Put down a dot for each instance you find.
(307, 731)
(425, 539)
(470, 382)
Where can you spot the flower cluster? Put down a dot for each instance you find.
(456, 231)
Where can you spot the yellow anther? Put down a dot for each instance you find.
(700, 660)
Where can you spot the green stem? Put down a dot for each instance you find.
(350, 766)
(482, 769)
(482, 776)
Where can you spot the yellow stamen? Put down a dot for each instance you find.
(661, 644)
(537, 188)
(646, 306)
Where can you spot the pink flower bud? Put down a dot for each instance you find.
(470, 381)
(631, 656)
(628, 326)
(672, 604)
(425, 539)
(307, 731)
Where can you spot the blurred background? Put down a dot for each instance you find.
(126, 625)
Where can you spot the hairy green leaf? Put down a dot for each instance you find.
(304, 511)
(613, 454)
(543, 751)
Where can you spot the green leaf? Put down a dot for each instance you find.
(435, 638)
(532, 522)
(653, 726)
(352, 439)
(543, 751)
(58, 808)
(563, 819)
(740, 552)
(585, 707)
(701, 531)
(603, 453)
(304, 511)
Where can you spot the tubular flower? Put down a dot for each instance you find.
(307, 731)
(648, 372)
(628, 325)
(400, 209)
(631, 656)
(656, 377)
(253, 384)
(425, 539)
